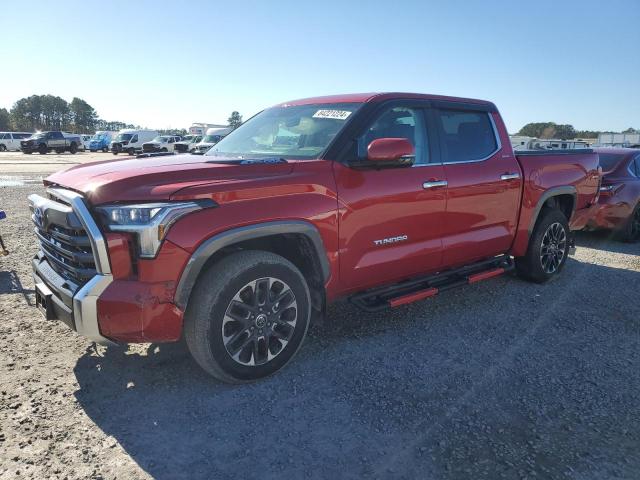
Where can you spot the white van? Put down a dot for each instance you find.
(11, 140)
(213, 136)
(131, 140)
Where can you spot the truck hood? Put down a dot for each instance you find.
(158, 178)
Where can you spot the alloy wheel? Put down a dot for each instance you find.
(259, 321)
(553, 248)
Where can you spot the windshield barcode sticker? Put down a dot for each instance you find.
(335, 114)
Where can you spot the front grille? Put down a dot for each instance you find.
(64, 242)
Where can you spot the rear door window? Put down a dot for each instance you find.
(465, 136)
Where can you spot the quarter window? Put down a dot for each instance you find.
(398, 122)
(465, 135)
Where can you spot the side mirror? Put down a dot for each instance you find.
(391, 151)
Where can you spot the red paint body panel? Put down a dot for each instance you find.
(140, 309)
(613, 210)
(378, 226)
(542, 173)
(119, 255)
(133, 311)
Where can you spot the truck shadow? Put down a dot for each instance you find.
(354, 397)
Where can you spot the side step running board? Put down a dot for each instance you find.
(416, 289)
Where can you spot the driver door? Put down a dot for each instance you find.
(391, 219)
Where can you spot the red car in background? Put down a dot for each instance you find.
(619, 204)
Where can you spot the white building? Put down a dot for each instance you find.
(618, 139)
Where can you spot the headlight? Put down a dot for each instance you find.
(150, 222)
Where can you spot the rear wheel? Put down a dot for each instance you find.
(3, 148)
(42, 149)
(73, 148)
(247, 316)
(131, 152)
(548, 248)
(631, 231)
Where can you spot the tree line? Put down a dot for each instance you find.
(562, 132)
(49, 112)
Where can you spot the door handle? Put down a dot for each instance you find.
(509, 176)
(434, 184)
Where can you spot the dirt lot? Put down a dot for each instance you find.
(505, 379)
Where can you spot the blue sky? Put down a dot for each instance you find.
(168, 64)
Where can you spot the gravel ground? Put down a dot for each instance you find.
(504, 379)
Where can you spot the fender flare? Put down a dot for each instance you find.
(199, 258)
(553, 192)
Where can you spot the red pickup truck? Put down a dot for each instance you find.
(384, 199)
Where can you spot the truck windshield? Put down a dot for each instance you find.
(122, 137)
(298, 132)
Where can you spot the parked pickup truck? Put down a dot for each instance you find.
(59, 142)
(384, 199)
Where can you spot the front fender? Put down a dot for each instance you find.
(210, 246)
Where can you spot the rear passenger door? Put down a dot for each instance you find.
(484, 184)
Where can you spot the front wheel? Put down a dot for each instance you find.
(73, 148)
(548, 248)
(247, 316)
(131, 152)
(3, 148)
(42, 149)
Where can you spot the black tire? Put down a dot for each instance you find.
(73, 148)
(131, 151)
(3, 148)
(545, 255)
(115, 152)
(42, 149)
(211, 301)
(27, 152)
(631, 231)
(164, 150)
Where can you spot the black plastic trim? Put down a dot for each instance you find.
(212, 245)
(553, 192)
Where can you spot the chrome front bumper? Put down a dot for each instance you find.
(85, 314)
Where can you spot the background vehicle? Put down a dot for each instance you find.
(11, 140)
(162, 143)
(86, 141)
(101, 141)
(187, 144)
(213, 136)
(619, 203)
(201, 128)
(131, 140)
(59, 142)
(382, 198)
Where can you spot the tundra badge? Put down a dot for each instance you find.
(386, 241)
